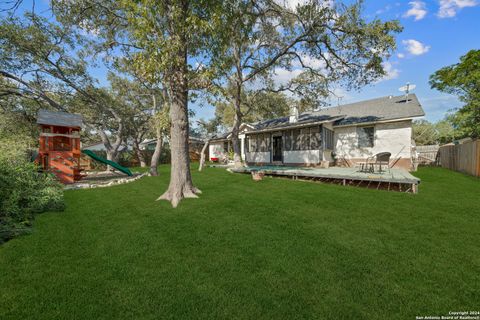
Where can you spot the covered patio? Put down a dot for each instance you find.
(392, 179)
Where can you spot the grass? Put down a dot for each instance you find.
(274, 249)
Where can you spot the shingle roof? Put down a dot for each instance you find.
(220, 136)
(62, 119)
(303, 118)
(379, 109)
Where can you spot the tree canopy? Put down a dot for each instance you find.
(463, 80)
(428, 133)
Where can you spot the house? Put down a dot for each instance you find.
(221, 145)
(99, 146)
(346, 134)
(195, 145)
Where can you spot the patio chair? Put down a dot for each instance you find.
(379, 159)
(382, 158)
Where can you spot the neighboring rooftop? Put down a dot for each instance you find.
(62, 119)
(379, 109)
(221, 136)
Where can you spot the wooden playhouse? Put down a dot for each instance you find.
(59, 151)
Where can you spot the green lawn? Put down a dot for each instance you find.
(275, 249)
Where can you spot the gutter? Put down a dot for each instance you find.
(375, 122)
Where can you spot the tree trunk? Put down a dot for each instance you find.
(156, 154)
(237, 121)
(139, 154)
(237, 149)
(112, 149)
(112, 155)
(202, 155)
(181, 184)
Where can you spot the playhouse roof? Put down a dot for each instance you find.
(62, 119)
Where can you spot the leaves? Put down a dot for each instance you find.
(463, 79)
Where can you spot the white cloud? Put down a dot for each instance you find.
(449, 8)
(292, 4)
(390, 70)
(400, 55)
(338, 97)
(310, 62)
(418, 10)
(283, 76)
(415, 47)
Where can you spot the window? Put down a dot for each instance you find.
(296, 139)
(253, 143)
(225, 146)
(305, 139)
(328, 136)
(288, 140)
(366, 137)
(257, 143)
(266, 138)
(247, 144)
(315, 138)
(262, 143)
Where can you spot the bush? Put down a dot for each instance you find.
(25, 192)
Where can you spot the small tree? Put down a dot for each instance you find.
(424, 133)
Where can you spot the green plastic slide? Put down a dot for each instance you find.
(92, 155)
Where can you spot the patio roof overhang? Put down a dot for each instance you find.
(294, 126)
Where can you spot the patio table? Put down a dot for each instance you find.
(367, 167)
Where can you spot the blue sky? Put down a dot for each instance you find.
(446, 29)
(436, 33)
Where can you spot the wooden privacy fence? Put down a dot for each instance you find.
(427, 154)
(463, 157)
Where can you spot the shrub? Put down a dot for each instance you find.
(24, 191)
